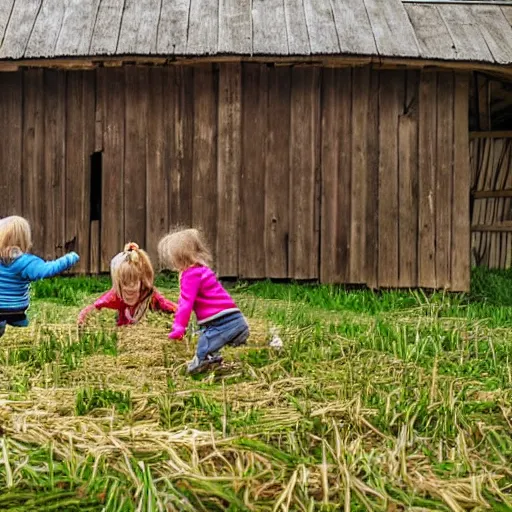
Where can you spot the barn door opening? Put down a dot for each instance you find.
(491, 171)
(96, 192)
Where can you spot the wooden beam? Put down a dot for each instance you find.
(484, 194)
(504, 227)
(503, 71)
(504, 134)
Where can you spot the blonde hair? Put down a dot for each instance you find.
(15, 238)
(183, 249)
(130, 266)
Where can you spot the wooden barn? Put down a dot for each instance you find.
(320, 140)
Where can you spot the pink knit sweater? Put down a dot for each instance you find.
(200, 292)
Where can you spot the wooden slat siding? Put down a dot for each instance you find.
(79, 139)
(157, 165)
(496, 30)
(461, 243)
(235, 26)
(359, 181)
(34, 200)
(434, 39)
(408, 184)
(229, 161)
(392, 29)
(252, 179)
(204, 163)
(112, 81)
(468, 40)
(172, 28)
(372, 202)
(444, 178)
(203, 27)
(180, 130)
(11, 114)
(355, 33)
(296, 28)
(323, 37)
(106, 28)
(304, 161)
(54, 95)
(135, 152)
(46, 29)
(336, 175)
(391, 102)
(5, 14)
(277, 174)
(139, 27)
(427, 160)
(77, 26)
(20, 26)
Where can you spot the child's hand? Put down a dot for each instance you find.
(177, 333)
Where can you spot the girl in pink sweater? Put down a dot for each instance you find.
(132, 292)
(221, 322)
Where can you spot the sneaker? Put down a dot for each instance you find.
(198, 365)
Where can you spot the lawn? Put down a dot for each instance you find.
(392, 401)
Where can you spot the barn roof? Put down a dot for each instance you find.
(453, 31)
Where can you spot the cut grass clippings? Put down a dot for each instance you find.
(377, 401)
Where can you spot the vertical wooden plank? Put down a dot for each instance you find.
(157, 213)
(360, 100)
(277, 174)
(461, 179)
(204, 165)
(484, 107)
(54, 155)
(304, 160)
(112, 82)
(229, 168)
(372, 202)
(79, 137)
(180, 130)
(135, 155)
(426, 173)
(336, 175)
(391, 107)
(408, 184)
(34, 201)
(444, 178)
(11, 114)
(252, 182)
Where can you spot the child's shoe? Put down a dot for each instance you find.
(198, 365)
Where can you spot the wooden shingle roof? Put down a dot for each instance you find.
(31, 29)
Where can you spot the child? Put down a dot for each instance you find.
(221, 322)
(18, 268)
(132, 292)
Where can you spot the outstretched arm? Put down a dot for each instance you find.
(37, 268)
(189, 287)
(108, 300)
(160, 303)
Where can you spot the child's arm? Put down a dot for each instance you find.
(160, 303)
(189, 287)
(108, 300)
(37, 268)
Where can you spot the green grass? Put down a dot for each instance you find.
(389, 401)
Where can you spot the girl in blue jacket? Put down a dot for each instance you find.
(18, 268)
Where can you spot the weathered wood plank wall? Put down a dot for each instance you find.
(342, 175)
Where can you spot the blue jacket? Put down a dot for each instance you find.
(15, 278)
